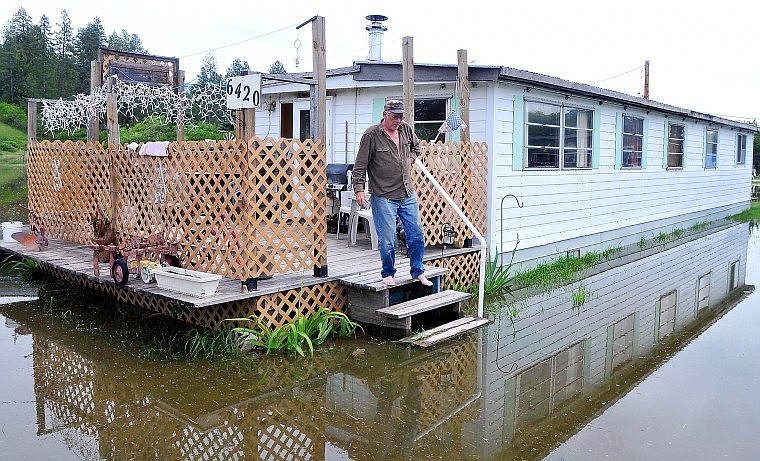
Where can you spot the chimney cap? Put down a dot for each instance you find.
(376, 17)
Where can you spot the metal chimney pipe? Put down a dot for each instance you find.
(376, 30)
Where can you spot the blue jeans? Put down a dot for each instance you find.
(384, 212)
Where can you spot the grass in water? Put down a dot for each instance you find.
(580, 295)
(558, 272)
(751, 214)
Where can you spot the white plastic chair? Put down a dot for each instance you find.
(346, 198)
(353, 223)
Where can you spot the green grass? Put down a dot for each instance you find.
(751, 214)
(558, 272)
(580, 295)
(12, 143)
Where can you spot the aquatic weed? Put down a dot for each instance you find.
(311, 330)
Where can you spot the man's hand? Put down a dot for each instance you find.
(362, 200)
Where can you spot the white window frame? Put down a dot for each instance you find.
(681, 140)
(711, 149)
(741, 149)
(623, 150)
(562, 131)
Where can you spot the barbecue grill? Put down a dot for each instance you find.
(338, 178)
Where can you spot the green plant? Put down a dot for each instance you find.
(580, 295)
(23, 268)
(611, 252)
(676, 233)
(311, 330)
(702, 225)
(642, 242)
(662, 237)
(497, 275)
(559, 271)
(209, 344)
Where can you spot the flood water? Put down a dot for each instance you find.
(654, 357)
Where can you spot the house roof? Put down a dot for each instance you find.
(366, 71)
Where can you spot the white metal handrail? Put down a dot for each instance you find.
(469, 224)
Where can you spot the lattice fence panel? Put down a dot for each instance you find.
(238, 209)
(286, 194)
(461, 169)
(63, 188)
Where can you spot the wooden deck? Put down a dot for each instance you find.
(342, 261)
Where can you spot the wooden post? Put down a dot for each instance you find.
(464, 93)
(93, 125)
(181, 108)
(407, 66)
(114, 138)
(319, 91)
(112, 114)
(318, 127)
(31, 121)
(646, 79)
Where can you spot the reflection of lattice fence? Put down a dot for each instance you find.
(448, 383)
(461, 169)
(274, 309)
(236, 209)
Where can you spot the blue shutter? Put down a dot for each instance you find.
(518, 133)
(618, 141)
(597, 139)
(378, 104)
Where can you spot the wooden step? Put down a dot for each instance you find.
(446, 331)
(373, 281)
(424, 304)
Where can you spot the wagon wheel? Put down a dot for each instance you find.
(120, 272)
(171, 260)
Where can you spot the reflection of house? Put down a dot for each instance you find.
(544, 371)
(559, 351)
(593, 167)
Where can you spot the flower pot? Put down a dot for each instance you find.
(11, 227)
(186, 281)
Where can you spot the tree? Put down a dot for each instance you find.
(86, 44)
(63, 48)
(277, 68)
(237, 68)
(125, 41)
(209, 73)
(22, 56)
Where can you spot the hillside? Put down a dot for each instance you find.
(13, 184)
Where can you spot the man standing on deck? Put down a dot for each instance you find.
(386, 153)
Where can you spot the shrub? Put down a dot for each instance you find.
(13, 115)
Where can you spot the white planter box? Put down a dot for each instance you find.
(189, 282)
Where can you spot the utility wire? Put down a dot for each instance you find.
(238, 43)
(616, 76)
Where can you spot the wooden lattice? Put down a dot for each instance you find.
(448, 383)
(238, 209)
(462, 171)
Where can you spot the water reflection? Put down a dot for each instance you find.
(512, 391)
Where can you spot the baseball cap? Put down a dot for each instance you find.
(394, 106)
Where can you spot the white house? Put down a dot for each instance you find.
(594, 168)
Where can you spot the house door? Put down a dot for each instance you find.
(302, 121)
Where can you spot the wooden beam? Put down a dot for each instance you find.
(31, 121)
(407, 65)
(646, 79)
(463, 76)
(289, 79)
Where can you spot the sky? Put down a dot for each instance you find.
(702, 56)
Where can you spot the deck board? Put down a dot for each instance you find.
(342, 262)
